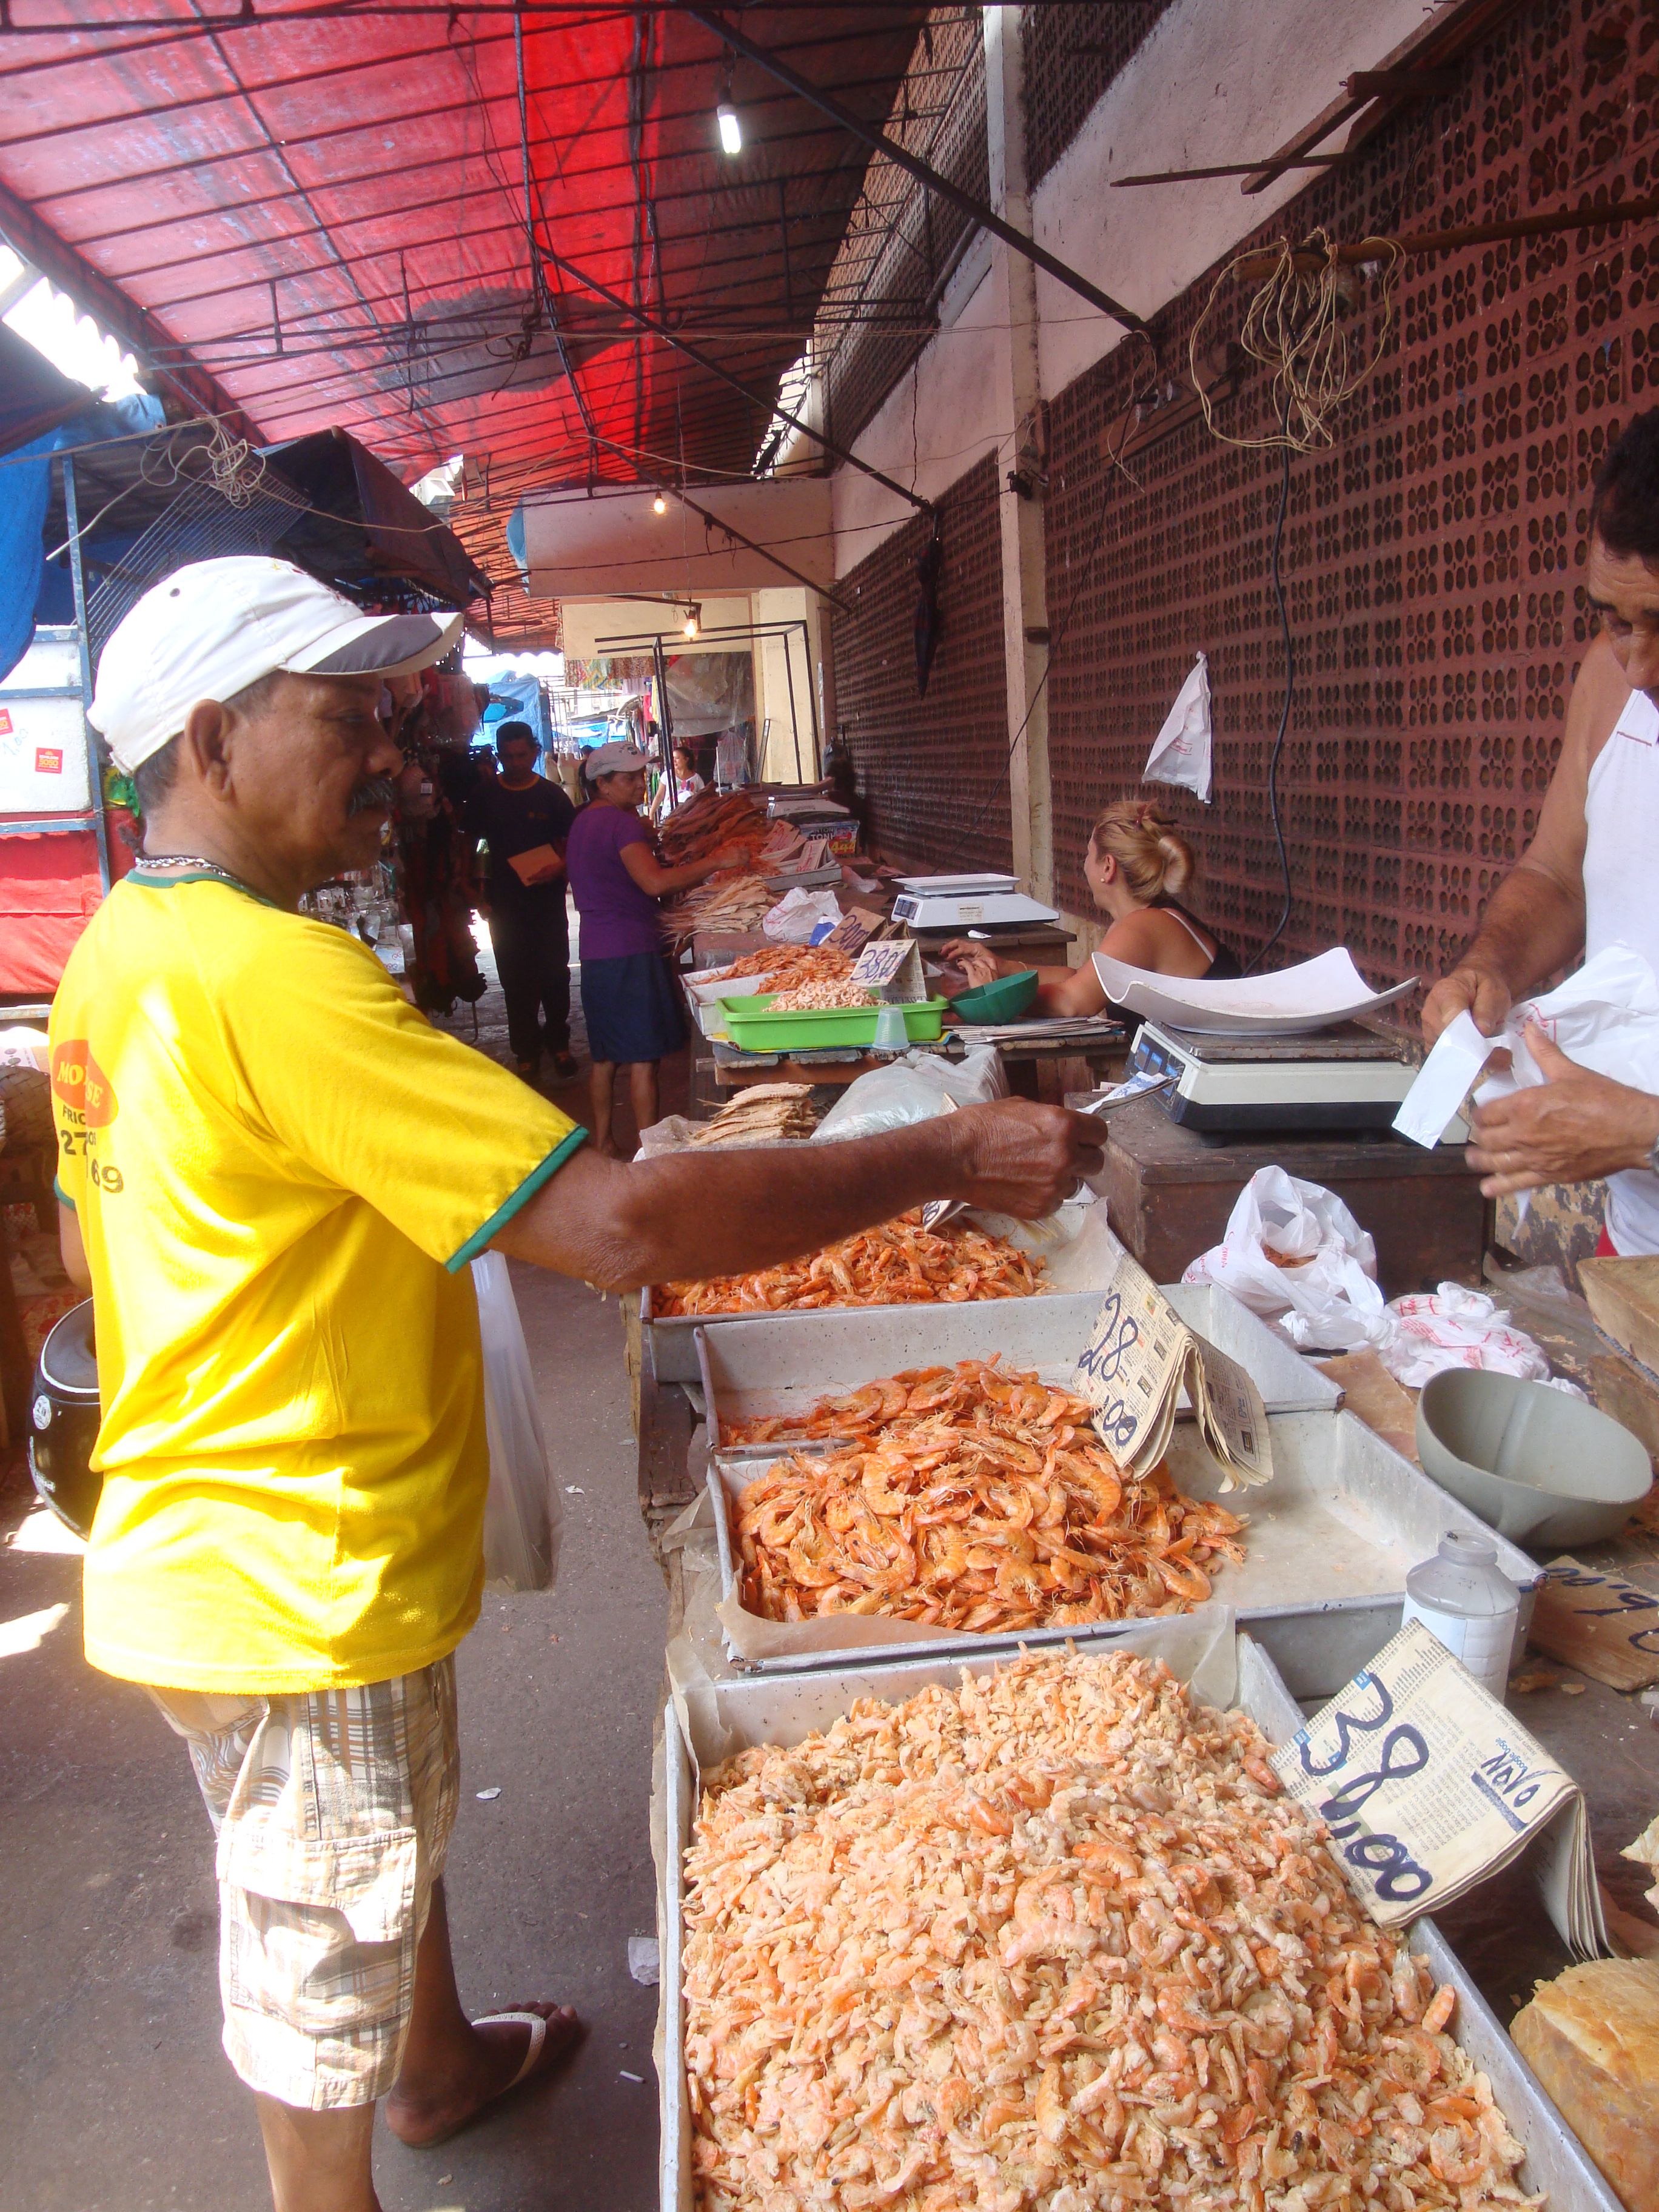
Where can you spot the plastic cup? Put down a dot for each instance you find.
(890, 1034)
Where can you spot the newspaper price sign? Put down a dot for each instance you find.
(1139, 1355)
(893, 970)
(1426, 1785)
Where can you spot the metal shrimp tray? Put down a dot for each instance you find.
(837, 1347)
(1328, 1546)
(1225, 1669)
(752, 1364)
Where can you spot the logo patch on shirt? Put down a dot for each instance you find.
(80, 1084)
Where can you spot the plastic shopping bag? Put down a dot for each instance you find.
(521, 1512)
(1181, 750)
(914, 1089)
(1295, 1255)
(798, 914)
(1456, 1327)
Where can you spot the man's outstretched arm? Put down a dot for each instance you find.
(689, 1215)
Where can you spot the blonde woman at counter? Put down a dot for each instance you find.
(1136, 862)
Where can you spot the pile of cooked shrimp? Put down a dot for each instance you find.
(974, 1498)
(1053, 1939)
(901, 1263)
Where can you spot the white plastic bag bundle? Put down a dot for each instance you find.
(521, 1511)
(1295, 1255)
(1180, 751)
(1456, 1327)
(914, 1089)
(798, 914)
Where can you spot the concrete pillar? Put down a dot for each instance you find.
(1024, 600)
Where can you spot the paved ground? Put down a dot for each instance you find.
(114, 2096)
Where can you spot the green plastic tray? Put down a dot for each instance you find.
(752, 1028)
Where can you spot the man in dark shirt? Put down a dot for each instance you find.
(521, 815)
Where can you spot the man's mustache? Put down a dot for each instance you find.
(379, 791)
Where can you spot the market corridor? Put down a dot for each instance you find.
(115, 2094)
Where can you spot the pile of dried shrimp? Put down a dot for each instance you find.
(820, 995)
(901, 1263)
(786, 965)
(982, 1500)
(1052, 1940)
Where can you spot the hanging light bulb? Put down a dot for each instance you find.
(693, 617)
(659, 505)
(731, 130)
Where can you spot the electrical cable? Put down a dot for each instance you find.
(1290, 693)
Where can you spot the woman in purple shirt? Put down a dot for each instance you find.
(628, 995)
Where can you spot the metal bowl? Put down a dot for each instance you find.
(1542, 1468)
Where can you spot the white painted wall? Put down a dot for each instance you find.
(1216, 80)
(578, 547)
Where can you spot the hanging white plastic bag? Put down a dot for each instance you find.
(1180, 751)
(914, 1089)
(1456, 1327)
(521, 1511)
(798, 914)
(1295, 1255)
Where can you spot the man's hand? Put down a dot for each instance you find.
(1468, 990)
(1572, 1128)
(1020, 1158)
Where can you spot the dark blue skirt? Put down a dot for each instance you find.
(632, 1006)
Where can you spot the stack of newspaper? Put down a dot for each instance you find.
(1427, 1785)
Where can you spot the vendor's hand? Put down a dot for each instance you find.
(976, 963)
(546, 871)
(1020, 1158)
(1467, 990)
(1572, 1128)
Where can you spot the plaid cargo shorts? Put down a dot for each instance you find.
(333, 1812)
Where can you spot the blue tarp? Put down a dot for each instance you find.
(25, 489)
(528, 704)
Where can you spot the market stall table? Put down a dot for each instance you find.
(1169, 1191)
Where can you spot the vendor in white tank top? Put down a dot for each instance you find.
(1588, 879)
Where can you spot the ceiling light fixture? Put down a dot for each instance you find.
(731, 130)
(659, 505)
(693, 621)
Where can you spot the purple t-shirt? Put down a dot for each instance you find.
(617, 917)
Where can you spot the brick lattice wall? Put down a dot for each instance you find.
(1072, 54)
(1433, 556)
(929, 771)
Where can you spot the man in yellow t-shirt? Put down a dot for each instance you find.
(274, 1173)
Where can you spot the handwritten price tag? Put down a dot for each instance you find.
(1599, 1623)
(1138, 1354)
(1426, 1785)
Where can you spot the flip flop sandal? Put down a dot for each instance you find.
(538, 2027)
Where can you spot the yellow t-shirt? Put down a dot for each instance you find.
(281, 1172)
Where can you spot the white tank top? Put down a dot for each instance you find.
(1621, 812)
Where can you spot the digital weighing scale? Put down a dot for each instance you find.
(1343, 1077)
(965, 902)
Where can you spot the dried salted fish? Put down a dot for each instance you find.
(901, 1263)
(975, 1498)
(1052, 1940)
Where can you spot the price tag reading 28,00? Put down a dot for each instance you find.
(1130, 1369)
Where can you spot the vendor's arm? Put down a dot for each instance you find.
(1059, 990)
(690, 1214)
(1535, 922)
(650, 876)
(1572, 1128)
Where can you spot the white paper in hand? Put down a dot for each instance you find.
(1460, 1052)
(1181, 753)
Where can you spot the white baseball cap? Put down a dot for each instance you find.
(617, 759)
(210, 629)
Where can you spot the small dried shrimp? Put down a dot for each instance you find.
(901, 1263)
(979, 1499)
(821, 996)
(1050, 1940)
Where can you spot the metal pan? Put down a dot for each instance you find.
(1329, 1544)
(784, 1710)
